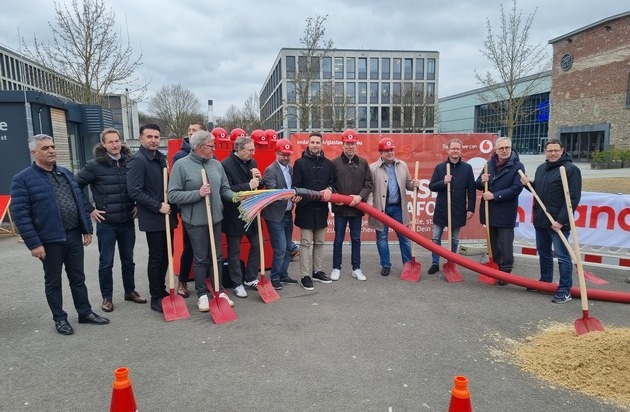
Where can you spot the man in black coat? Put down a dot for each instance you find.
(312, 171)
(243, 174)
(114, 212)
(145, 185)
(463, 198)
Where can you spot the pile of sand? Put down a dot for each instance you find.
(596, 363)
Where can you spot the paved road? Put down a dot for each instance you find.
(380, 345)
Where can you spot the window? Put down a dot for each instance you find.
(350, 68)
(385, 68)
(302, 64)
(362, 68)
(419, 69)
(373, 93)
(419, 91)
(430, 69)
(351, 120)
(408, 69)
(396, 114)
(430, 92)
(373, 117)
(362, 117)
(351, 92)
(338, 92)
(384, 117)
(314, 90)
(429, 110)
(374, 68)
(338, 67)
(314, 67)
(396, 93)
(362, 93)
(397, 69)
(327, 67)
(385, 93)
(291, 92)
(290, 66)
(292, 117)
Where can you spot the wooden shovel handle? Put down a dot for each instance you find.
(487, 213)
(448, 206)
(213, 246)
(167, 225)
(414, 204)
(262, 245)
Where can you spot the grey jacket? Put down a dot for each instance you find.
(184, 184)
(378, 198)
(274, 179)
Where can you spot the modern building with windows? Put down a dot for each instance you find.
(372, 91)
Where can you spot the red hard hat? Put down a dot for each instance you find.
(219, 133)
(349, 135)
(236, 133)
(258, 136)
(385, 144)
(271, 134)
(284, 146)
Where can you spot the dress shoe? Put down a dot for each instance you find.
(107, 305)
(94, 319)
(135, 297)
(156, 305)
(385, 271)
(63, 327)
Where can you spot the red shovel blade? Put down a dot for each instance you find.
(220, 310)
(487, 279)
(174, 307)
(266, 290)
(451, 273)
(587, 324)
(411, 270)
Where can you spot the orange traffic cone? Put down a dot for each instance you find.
(122, 394)
(460, 396)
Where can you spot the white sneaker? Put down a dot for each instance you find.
(252, 284)
(224, 295)
(357, 273)
(240, 291)
(202, 304)
(334, 275)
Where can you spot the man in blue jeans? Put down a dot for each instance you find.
(114, 212)
(548, 185)
(391, 182)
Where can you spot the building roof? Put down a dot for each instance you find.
(590, 26)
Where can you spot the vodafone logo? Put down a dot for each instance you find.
(287, 146)
(263, 138)
(388, 143)
(486, 146)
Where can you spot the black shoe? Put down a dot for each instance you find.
(63, 327)
(156, 305)
(385, 271)
(288, 280)
(276, 284)
(501, 282)
(321, 277)
(433, 269)
(307, 283)
(94, 319)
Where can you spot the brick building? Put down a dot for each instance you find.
(590, 87)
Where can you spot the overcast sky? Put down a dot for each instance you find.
(223, 49)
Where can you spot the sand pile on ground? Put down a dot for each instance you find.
(596, 363)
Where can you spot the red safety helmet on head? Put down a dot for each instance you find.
(258, 136)
(220, 133)
(349, 135)
(385, 144)
(284, 146)
(271, 134)
(236, 133)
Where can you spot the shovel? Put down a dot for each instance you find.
(585, 324)
(490, 263)
(173, 306)
(411, 270)
(451, 273)
(265, 289)
(220, 309)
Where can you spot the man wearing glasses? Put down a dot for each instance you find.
(548, 185)
(504, 187)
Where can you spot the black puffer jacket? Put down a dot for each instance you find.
(108, 182)
(315, 173)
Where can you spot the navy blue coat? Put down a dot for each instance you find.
(35, 210)
(505, 185)
(463, 194)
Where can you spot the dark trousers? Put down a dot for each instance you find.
(158, 263)
(186, 259)
(502, 244)
(354, 222)
(68, 254)
(202, 255)
(234, 258)
(108, 234)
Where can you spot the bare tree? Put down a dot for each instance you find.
(247, 117)
(177, 107)
(87, 48)
(512, 57)
(303, 78)
(416, 108)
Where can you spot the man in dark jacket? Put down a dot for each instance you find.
(145, 185)
(243, 174)
(185, 260)
(504, 186)
(114, 213)
(548, 185)
(352, 177)
(50, 213)
(312, 171)
(462, 182)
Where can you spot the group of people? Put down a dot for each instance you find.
(54, 217)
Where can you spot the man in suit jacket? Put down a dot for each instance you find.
(279, 214)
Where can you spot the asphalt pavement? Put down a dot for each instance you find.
(379, 345)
